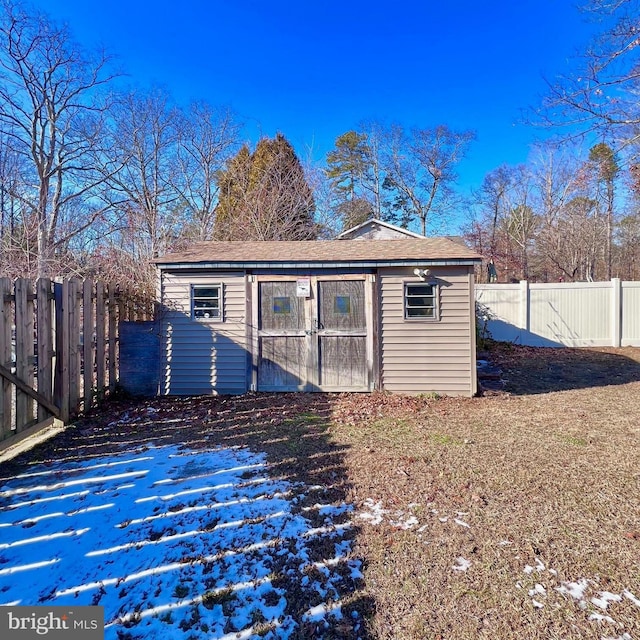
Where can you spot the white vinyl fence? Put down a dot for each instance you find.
(573, 314)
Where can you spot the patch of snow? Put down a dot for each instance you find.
(631, 597)
(405, 523)
(574, 589)
(605, 598)
(598, 617)
(169, 541)
(536, 604)
(320, 611)
(528, 569)
(461, 564)
(462, 523)
(375, 513)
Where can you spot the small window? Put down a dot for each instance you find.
(420, 301)
(282, 305)
(206, 302)
(342, 305)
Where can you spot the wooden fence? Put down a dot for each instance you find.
(573, 314)
(58, 349)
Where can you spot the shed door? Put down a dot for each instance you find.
(283, 338)
(318, 343)
(341, 335)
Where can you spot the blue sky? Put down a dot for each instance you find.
(313, 70)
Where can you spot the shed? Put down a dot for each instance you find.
(338, 315)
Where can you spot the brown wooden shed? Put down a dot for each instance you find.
(341, 315)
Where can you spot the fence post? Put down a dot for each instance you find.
(74, 345)
(25, 339)
(87, 344)
(616, 312)
(524, 305)
(6, 389)
(100, 340)
(113, 328)
(61, 386)
(44, 329)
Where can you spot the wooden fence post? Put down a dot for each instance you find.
(44, 330)
(61, 386)
(87, 347)
(25, 339)
(74, 345)
(100, 340)
(113, 324)
(6, 390)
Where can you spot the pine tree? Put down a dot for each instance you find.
(264, 195)
(606, 169)
(233, 184)
(347, 167)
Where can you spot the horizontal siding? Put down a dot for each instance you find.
(441, 363)
(427, 356)
(204, 357)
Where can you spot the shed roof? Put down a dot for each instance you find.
(432, 251)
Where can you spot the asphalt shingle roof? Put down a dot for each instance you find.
(322, 251)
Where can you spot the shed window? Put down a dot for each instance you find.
(206, 302)
(281, 305)
(342, 305)
(420, 301)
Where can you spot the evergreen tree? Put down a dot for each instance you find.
(604, 165)
(233, 185)
(347, 168)
(264, 195)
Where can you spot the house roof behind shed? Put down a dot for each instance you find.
(320, 252)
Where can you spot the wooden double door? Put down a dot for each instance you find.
(314, 334)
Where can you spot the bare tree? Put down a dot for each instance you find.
(144, 191)
(421, 169)
(600, 93)
(206, 138)
(52, 117)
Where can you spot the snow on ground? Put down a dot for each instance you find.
(173, 543)
(583, 592)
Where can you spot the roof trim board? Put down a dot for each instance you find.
(199, 266)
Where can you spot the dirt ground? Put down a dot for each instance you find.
(513, 515)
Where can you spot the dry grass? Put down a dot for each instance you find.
(535, 488)
(543, 480)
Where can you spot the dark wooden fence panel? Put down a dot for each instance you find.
(6, 356)
(59, 351)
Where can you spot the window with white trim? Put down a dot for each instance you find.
(206, 302)
(420, 301)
